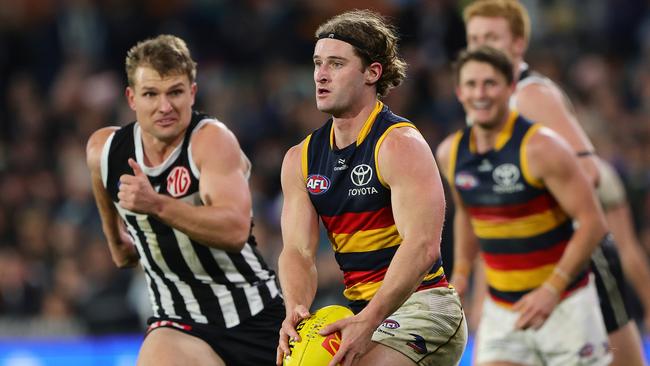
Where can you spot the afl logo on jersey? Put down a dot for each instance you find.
(466, 181)
(178, 181)
(318, 184)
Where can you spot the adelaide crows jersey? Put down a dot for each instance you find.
(187, 280)
(354, 204)
(521, 228)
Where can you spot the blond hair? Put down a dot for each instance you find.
(166, 54)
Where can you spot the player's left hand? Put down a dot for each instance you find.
(136, 193)
(356, 335)
(535, 307)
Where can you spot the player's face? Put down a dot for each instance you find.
(162, 104)
(339, 77)
(484, 93)
(494, 32)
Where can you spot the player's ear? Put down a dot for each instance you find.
(130, 97)
(193, 89)
(373, 72)
(519, 46)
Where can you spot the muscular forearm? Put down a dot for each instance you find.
(577, 253)
(466, 247)
(405, 273)
(224, 228)
(298, 279)
(122, 250)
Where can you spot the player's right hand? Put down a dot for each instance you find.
(288, 330)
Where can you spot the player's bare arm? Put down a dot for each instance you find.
(552, 161)
(466, 246)
(297, 262)
(224, 219)
(546, 104)
(121, 246)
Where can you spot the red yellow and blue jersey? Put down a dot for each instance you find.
(521, 228)
(354, 203)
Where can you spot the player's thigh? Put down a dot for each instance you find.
(169, 347)
(429, 328)
(625, 344)
(379, 355)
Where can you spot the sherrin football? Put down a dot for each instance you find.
(313, 348)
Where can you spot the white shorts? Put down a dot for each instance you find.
(429, 328)
(574, 334)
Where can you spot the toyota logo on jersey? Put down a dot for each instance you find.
(361, 175)
(317, 184)
(178, 181)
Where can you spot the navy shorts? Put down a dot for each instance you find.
(254, 342)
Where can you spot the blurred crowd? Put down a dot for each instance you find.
(61, 78)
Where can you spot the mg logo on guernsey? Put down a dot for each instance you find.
(360, 176)
(318, 184)
(178, 181)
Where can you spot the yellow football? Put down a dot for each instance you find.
(313, 348)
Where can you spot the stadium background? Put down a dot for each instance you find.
(61, 77)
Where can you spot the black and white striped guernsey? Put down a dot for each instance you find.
(187, 280)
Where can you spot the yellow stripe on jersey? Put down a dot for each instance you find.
(506, 133)
(525, 170)
(365, 130)
(439, 272)
(304, 153)
(524, 227)
(518, 280)
(365, 291)
(380, 140)
(365, 240)
(362, 291)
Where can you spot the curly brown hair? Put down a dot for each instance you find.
(374, 40)
(166, 54)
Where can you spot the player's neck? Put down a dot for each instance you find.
(485, 137)
(348, 125)
(156, 151)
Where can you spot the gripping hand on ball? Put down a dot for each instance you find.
(288, 331)
(356, 335)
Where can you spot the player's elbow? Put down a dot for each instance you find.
(123, 262)
(595, 226)
(239, 234)
(430, 250)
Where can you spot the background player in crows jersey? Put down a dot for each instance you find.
(517, 189)
(172, 193)
(371, 178)
(505, 24)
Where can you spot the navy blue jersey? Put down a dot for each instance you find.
(521, 228)
(354, 203)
